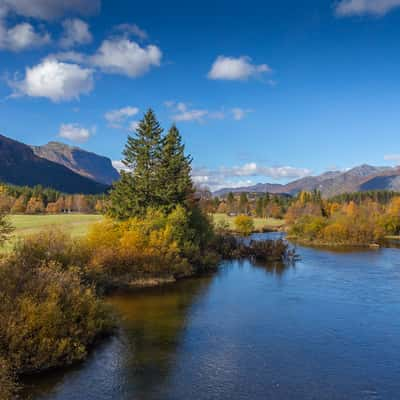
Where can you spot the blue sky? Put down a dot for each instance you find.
(262, 91)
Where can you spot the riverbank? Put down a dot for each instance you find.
(260, 224)
(192, 338)
(324, 244)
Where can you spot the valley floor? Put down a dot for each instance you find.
(74, 224)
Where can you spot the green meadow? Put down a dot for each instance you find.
(74, 224)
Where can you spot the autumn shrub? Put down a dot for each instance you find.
(244, 224)
(48, 317)
(51, 245)
(351, 224)
(156, 245)
(8, 386)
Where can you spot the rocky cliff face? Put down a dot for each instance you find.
(90, 165)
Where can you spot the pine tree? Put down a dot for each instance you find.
(176, 184)
(137, 189)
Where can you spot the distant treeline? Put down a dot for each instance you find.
(378, 196)
(262, 205)
(40, 200)
(349, 219)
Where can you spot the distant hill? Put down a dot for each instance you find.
(90, 165)
(362, 178)
(19, 165)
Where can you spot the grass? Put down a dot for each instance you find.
(259, 223)
(74, 224)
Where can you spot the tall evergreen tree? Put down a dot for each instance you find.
(137, 189)
(175, 172)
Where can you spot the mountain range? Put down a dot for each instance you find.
(362, 178)
(64, 168)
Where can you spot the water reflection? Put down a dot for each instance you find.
(326, 328)
(154, 322)
(139, 359)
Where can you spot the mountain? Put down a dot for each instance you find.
(90, 165)
(19, 165)
(362, 178)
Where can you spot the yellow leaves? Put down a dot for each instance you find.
(394, 207)
(139, 245)
(244, 224)
(351, 209)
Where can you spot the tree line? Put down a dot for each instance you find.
(40, 200)
(261, 205)
(349, 219)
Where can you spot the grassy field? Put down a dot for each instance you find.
(74, 224)
(78, 224)
(259, 223)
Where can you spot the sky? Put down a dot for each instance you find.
(262, 91)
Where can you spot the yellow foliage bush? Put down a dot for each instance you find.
(155, 245)
(7, 383)
(244, 224)
(48, 318)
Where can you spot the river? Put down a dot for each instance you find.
(325, 328)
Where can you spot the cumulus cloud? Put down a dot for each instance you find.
(231, 68)
(132, 29)
(116, 117)
(76, 32)
(236, 176)
(21, 37)
(55, 80)
(49, 9)
(75, 132)
(346, 8)
(126, 57)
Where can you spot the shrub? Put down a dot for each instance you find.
(51, 245)
(5, 229)
(244, 225)
(155, 245)
(48, 318)
(7, 383)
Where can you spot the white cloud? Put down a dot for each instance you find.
(76, 32)
(75, 132)
(133, 125)
(49, 9)
(182, 112)
(393, 157)
(236, 176)
(132, 29)
(120, 166)
(231, 68)
(239, 113)
(126, 57)
(346, 8)
(55, 80)
(116, 117)
(21, 37)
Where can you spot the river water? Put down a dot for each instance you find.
(326, 328)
